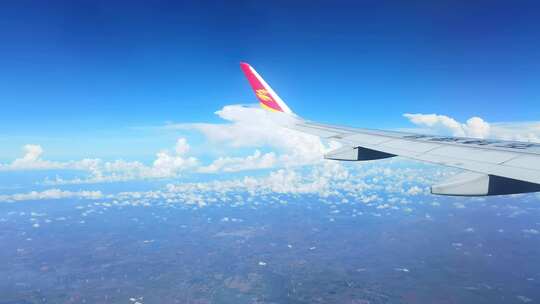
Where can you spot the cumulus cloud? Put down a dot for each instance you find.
(328, 179)
(182, 147)
(521, 131)
(476, 127)
(168, 163)
(245, 127)
(31, 160)
(51, 194)
(328, 182)
(234, 164)
(33, 152)
(531, 231)
(321, 179)
(414, 190)
(255, 128)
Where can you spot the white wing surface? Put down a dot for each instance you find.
(493, 167)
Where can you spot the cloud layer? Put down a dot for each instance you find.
(381, 186)
(166, 164)
(246, 128)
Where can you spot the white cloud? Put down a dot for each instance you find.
(247, 127)
(50, 194)
(33, 152)
(476, 127)
(254, 128)
(414, 190)
(167, 164)
(459, 205)
(345, 182)
(521, 131)
(329, 182)
(31, 160)
(182, 146)
(234, 164)
(531, 231)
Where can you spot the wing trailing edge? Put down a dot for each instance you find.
(471, 183)
(356, 154)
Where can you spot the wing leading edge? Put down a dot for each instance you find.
(493, 167)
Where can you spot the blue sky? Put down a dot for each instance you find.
(88, 78)
(118, 116)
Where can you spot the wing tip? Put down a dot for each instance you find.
(244, 64)
(268, 99)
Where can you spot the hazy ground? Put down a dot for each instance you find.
(305, 251)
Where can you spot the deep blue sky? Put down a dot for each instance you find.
(76, 76)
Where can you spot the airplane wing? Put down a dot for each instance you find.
(492, 167)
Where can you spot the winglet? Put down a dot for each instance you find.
(267, 97)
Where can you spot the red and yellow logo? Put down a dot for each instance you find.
(263, 94)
